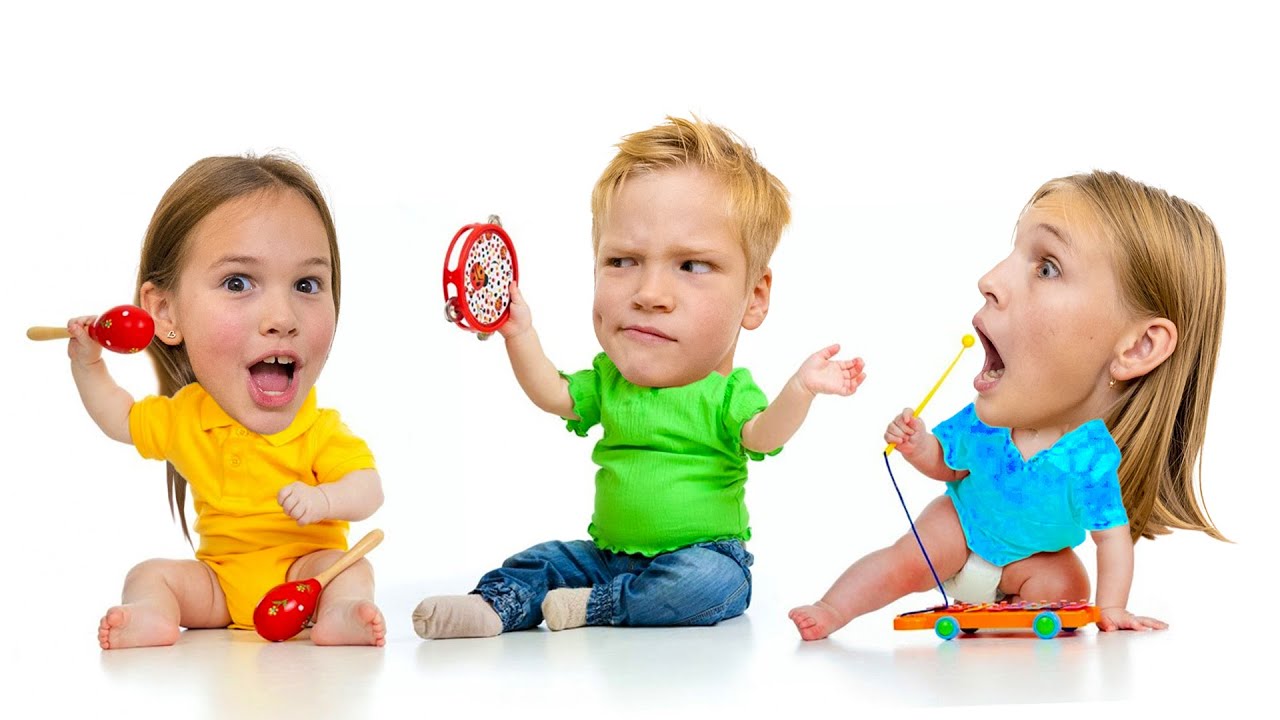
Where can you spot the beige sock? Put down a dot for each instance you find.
(456, 616)
(566, 608)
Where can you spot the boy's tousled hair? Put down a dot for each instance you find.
(201, 189)
(758, 201)
(1169, 263)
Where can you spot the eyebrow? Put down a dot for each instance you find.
(622, 249)
(253, 260)
(1057, 232)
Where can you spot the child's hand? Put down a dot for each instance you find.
(81, 348)
(305, 503)
(905, 431)
(821, 374)
(1118, 618)
(520, 319)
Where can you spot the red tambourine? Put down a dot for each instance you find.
(477, 290)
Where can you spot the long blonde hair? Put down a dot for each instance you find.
(758, 201)
(1169, 264)
(200, 190)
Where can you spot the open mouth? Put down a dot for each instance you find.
(273, 375)
(992, 366)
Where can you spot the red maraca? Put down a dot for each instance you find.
(286, 608)
(122, 329)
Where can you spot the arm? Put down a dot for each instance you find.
(775, 425)
(536, 374)
(108, 403)
(1115, 576)
(920, 447)
(355, 497)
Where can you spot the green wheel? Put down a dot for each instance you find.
(946, 627)
(1047, 624)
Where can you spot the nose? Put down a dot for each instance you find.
(654, 291)
(279, 318)
(992, 286)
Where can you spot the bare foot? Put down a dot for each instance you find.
(350, 622)
(816, 621)
(126, 626)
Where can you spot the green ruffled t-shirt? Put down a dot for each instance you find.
(672, 465)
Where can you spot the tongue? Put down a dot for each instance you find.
(271, 377)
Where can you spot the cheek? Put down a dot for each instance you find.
(605, 300)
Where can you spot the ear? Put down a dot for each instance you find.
(159, 306)
(1149, 343)
(758, 301)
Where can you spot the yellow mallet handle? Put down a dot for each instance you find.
(966, 342)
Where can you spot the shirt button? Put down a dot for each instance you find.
(235, 460)
(240, 432)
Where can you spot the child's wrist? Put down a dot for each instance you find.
(798, 384)
(328, 503)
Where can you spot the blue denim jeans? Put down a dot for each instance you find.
(697, 585)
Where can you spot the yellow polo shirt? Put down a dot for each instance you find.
(235, 475)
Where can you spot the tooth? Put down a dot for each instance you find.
(285, 360)
(269, 360)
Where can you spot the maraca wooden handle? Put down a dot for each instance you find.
(357, 551)
(47, 333)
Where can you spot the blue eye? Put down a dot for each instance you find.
(237, 283)
(695, 266)
(1047, 270)
(310, 285)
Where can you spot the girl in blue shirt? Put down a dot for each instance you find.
(1101, 330)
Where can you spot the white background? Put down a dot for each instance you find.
(909, 138)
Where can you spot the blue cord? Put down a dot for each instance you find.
(945, 601)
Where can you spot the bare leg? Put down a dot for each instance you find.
(889, 573)
(1045, 577)
(346, 614)
(159, 598)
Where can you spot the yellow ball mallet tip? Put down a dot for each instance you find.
(967, 341)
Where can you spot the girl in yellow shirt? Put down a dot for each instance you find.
(240, 272)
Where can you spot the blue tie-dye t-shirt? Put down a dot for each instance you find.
(1011, 509)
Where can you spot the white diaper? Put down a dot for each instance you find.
(977, 582)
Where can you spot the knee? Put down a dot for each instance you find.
(537, 555)
(153, 569)
(1066, 585)
(908, 571)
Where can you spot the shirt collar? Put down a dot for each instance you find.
(213, 416)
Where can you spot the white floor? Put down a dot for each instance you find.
(750, 665)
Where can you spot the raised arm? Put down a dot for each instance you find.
(819, 374)
(536, 374)
(108, 403)
(1115, 576)
(920, 447)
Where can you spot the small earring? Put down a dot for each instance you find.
(171, 335)
(1112, 383)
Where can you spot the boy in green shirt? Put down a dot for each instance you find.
(684, 223)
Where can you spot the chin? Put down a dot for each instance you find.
(649, 377)
(989, 413)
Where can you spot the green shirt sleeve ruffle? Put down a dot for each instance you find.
(584, 390)
(743, 400)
